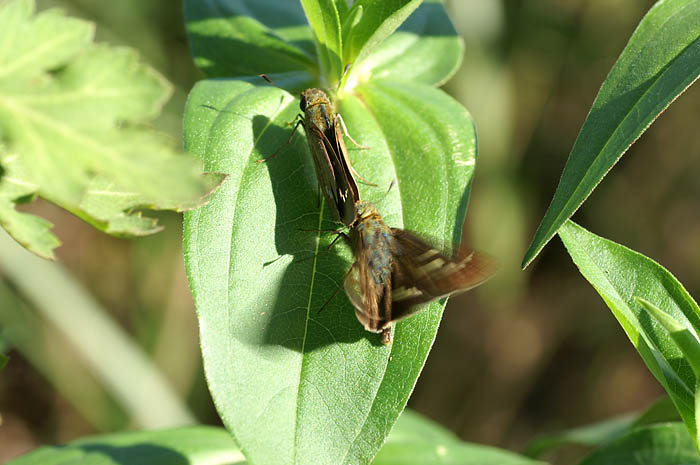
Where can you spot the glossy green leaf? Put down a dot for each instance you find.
(426, 48)
(292, 384)
(195, 445)
(325, 24)
(418, 441)
(377, 21)
(249, 37)
(686, 340)
(662, 444)
(660, 61)
(71, 115)
(621, 276)
(685, 337)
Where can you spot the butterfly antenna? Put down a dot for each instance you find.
(267, 78)
(347, 134)
(391, 186)
(334, 294)
(289, 141)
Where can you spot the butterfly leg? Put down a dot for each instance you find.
(334, 294)
(345, 131)
(338, 234)
(300, 121)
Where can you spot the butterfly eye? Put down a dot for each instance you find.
(302, 103)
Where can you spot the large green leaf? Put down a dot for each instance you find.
(662, 444)
(195, 445)
(71, 115)
(660, 61)
(418, 441)
(622, 277)
(249, 37)
(292, 384)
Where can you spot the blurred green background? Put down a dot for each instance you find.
(528, 353)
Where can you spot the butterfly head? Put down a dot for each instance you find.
(365, 210)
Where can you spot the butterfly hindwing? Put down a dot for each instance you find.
(421, 273)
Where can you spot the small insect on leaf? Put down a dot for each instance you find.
(395, 272)
(323, 127)
(333, 170)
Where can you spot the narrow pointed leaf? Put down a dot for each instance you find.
(292, 384)
(377, 22)
(620, 276)
(325, 24)
(342, 7)
(426, 48)
(660, 61)
(686, 340)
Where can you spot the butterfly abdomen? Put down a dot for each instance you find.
(376, 241)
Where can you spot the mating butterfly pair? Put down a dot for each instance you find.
(394, 270)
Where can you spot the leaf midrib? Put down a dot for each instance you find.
(306, 328)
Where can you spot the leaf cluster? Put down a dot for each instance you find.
(73, 131)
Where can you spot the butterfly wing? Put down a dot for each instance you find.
(421, 273)
(325, 170)
(347, 187)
